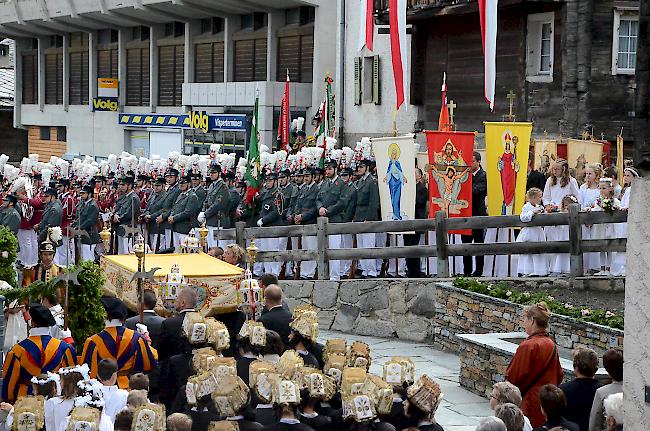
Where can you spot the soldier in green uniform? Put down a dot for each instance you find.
(127, 210)
(86, 219)
(367, 209)
(349, 196)
(306, 213)
(173, 190)
(331, 205)
(183, 213)
(151, 213)
(52, 214)
(289, 192)
(216, 207)
(234, 201)
(198, 188)
(271, 208)
(9, 215)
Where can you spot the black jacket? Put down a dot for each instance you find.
(559, 422)
(152, 321)
(174, 374)
(479, 192)
(278, 319)
(580, 395)
(535, 179)
(279, 426)
(421, 199)
(318, 423)
(171, 340)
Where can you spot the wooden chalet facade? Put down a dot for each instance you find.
(556, 55)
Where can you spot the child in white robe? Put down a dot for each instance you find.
(605, 230)
(560, 263)
(532, 264)
(589, 192)
(619, 262)
(58, 408)
(114, 397)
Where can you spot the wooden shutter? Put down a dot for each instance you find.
(261, 60)
(357, 80)
(218, 68)
(376, 81)
(289, 58)
(78, 78)
(30, 78)
(137, 76)
(307, 58)
(203, 63)
(107, 63)
(54, 79)
(244, 55)
(170, 75)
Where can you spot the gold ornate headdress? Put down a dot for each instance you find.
(218, 335)
(255, 332)
(425, 394)
(195, 328)
(306, 325)
(334, 346)
(29, 414)
(358, 355)
(203, 359)
(84, 419)
(317, 384)
(399, 370)
(289, 364)
(231, 396)
(286, 392)
(380, 392)
(149, 417)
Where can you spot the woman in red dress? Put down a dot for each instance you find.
(536, 362)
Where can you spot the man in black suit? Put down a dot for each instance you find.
(421, 199)
(152, 321)
(171, 340)
(276, 318)
(479, 192)
(535, 178)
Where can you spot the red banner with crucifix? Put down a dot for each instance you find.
(450, 176)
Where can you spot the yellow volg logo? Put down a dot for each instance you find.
(199, 120)
(104, 104)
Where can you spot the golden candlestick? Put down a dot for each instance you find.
(140, 251)
(105, 235)
(203, 233)
(252, 254)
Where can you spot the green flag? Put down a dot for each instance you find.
(253, 158)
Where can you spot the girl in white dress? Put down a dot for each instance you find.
(619, 261)
(57, 408)
(535, 265)
(606, 230)
(558, 185)
(560, 262)
(589, 192)
(90, 396)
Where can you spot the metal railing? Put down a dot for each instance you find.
(442, 250)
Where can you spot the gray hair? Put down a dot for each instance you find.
(506, 392)
(511, 415)
(189, 294)
(614, 407)
(491, 423)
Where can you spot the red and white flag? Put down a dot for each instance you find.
(443, 119)
(366, 24)
(397, 20)
(488, 13)
(284, 123)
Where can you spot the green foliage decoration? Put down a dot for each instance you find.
(503, 291)
(86, 313)
(8, 254)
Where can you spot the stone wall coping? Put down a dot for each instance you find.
(505, 302)
(498, 341)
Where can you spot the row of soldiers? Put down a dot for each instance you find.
(165, 210)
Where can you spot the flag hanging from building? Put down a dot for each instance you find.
(284, 123)
(488, 15)
(397, 20)
(366, 24)
(253, 159)
(444, 124)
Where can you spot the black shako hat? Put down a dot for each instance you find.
(115, 307)
(41, 316)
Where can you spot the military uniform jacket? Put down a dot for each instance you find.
(201, 193)
(217, 204)
(170, 198)
(288, 195)
(87, 215)
(349, 196)
(128, 348)
(36, 354)
(367, 199)
(306, 204)
(52, 215)
(330, 197)
(184, 212)
(9, 217)
(233, 204)
(154, 209)
(127, 208)
(269, 201)
(293, 203)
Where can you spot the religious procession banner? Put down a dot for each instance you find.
(507, 146)
(395, 158)
(545, 155)
(581, 152)
(450, 176)
(215, 281)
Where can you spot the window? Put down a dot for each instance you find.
(367, 84)
(250, 60)
(626, 30)
(61, 134)
(78, 57)
(208, 62)
(540, 41)
(30, 78)
(137, 76)
(44, 133)
(296, 54)
(174, 29)
(170, 75)
(107, 63)
(254, 21)
(54, 78)
(140, 33)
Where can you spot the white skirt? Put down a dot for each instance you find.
(532, 264)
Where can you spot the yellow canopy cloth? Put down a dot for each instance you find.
(215, 280)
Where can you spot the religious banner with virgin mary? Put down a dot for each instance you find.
(395, 158)
(507, 146)
(450, 176)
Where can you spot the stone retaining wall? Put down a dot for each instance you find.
(424, 310)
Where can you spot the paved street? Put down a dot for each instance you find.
(460, 410)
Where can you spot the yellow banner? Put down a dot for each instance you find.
(506, 161)
(580, 153)
(545, 155)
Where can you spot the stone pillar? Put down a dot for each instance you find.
(122, 37)
(276, 21)
(637, 309)
(232, 24)
(92, 67)
(18, 82)
(66, 71)
(154, 34)
(41, 72)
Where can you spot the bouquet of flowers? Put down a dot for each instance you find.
(606, 204)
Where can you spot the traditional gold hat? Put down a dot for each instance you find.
(223, 367)
(264, 384)
(195, 328)
(317, 384)
(352, 381)
(289, 364)
(258, 367)
(84, 419)
(359, 407)
(29, 414)
(305, 309)
(306, 325)
(218, 335)
(409, 367)
(231, 396)
(223, 426)
(149, 417)
(399, 370)
(425, 394)
(285, 392)
(380, 392)
(203, 358)
(334, 366)
(358, 355)
(334, 346)
(207, 382)
(255, 332)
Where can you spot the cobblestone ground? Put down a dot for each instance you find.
(460, 410)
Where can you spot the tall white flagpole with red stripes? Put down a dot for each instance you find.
(488, 14)
(366, 24)
(397, 20)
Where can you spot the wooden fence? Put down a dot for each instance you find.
(442, 250)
